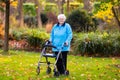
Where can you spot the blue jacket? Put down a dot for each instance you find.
(60, 35)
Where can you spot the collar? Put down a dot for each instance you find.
(61, 25)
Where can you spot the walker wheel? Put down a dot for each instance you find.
(67, 72)
(56, 73)
(38, 70)
(48, 71)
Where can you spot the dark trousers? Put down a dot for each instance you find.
(62, 62)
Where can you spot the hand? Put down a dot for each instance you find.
(49, 42)
(66, 43)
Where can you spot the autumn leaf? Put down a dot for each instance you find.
(66, 79)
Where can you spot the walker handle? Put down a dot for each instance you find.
(48, 45)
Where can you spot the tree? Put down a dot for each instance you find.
(39, 22)
(68, 6)
(116, 11)
(87, 5)
(62, 3)
(59, 6)
(108, 10)
(21, 15)
(2, 10)
(6, 37)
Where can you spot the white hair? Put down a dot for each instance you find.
(61, 16)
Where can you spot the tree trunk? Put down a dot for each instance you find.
(59, 6)
(2, 17)
(116, 17)
(21, 15)
(87, 5)
(68, 6)
(39, 22)
(62, 9)
(6, 37)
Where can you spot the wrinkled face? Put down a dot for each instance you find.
(61, 20)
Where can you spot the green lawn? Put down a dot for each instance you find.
(20, 65)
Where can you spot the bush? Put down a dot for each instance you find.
(36, 37)
(31, 21)
(29, 9)
(80, 21)
(30, 15)
(16, 35)
(98, 44)
(51, 7)
(44, 18)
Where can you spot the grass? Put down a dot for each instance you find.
(20, 65)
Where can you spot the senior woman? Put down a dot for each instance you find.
(61, 34)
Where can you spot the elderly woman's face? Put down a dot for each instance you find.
(61, 20)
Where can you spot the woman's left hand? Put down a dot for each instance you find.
(66, 43)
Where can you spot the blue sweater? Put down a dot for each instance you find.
(60, 35)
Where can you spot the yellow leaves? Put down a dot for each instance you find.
(1, 30)
(82, 75)
(47, 76)
(5, 59)
(107, 67)
(66, 79)
(105, 13)
(103, 59)
(113, 60)
(119, 70)
(14, 3)
(105, 34)
(36, 7)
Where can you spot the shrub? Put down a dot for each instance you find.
(29, 9)
(31, 21)
(80, 21)
(50, 7)
(44, 18)
(30, 15)
(16, 35)
(36, 38)
(98, 44)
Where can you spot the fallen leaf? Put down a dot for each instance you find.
(66, 79)
(82, 74)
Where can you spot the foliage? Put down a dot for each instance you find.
(29, 9)
(51, 7)
(21, 65)
(104, 11)
(1, 31)
(44, 18)
(80, 21)
(72, 6)
(31, 21)
(16, 35)
(98, 44)
(1, 9)
(14, 3)
(36, 37)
